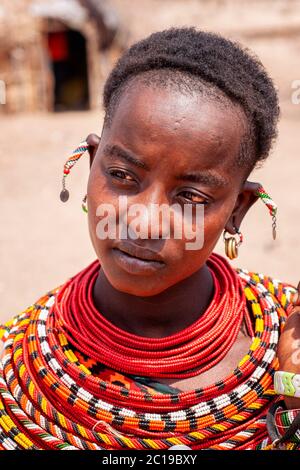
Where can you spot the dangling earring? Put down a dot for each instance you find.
(78, 152)
(84, 204)
(266, 198)
(231, 244)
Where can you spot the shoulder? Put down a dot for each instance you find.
(43, 302)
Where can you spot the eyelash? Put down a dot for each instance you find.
(195, 195)
(113, 172)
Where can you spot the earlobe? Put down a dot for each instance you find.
(247, 197)
(93, 141)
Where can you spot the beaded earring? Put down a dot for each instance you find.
(84, 204)
(231, 245)
(268, 201)
(77, 153)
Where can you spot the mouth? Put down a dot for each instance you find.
(137, 260)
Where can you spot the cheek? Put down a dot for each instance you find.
(215, 220)
(98, 194)
(201, 234)
(187, 261)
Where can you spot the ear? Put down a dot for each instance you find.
(245, 200)
(93, 141)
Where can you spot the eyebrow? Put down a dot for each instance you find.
(116, 151)
(205, 177)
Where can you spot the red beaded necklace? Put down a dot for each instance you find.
(50, 400)
(194, 349)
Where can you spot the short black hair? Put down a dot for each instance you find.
(218, 64)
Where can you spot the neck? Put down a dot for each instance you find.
(160, 315)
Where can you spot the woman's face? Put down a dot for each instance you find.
(168, 148)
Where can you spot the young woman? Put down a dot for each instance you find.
(154, 344)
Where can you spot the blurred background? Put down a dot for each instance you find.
(54, 58)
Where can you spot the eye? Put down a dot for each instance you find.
(193, 198)
(121, 175)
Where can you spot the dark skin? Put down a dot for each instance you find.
(159, 127)
(289, 348)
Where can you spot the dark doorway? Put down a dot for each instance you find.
(67, 51)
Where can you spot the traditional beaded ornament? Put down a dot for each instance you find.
(50, 400)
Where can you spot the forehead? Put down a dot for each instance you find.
(191, 127)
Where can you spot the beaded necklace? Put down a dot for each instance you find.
(49, 400)
(196, 348)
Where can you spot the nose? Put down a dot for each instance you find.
(149, 215)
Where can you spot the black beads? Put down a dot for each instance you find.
(64, 195)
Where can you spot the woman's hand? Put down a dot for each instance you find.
(289, 347)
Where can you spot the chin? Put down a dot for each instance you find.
(139, 287)
(140, 282)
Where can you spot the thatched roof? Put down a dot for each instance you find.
(68, 11)
(106, 18)
(16, 26)
(75, 13)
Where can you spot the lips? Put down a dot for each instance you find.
(138, 252)
(137, 260)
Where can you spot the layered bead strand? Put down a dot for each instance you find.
(49, 400)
